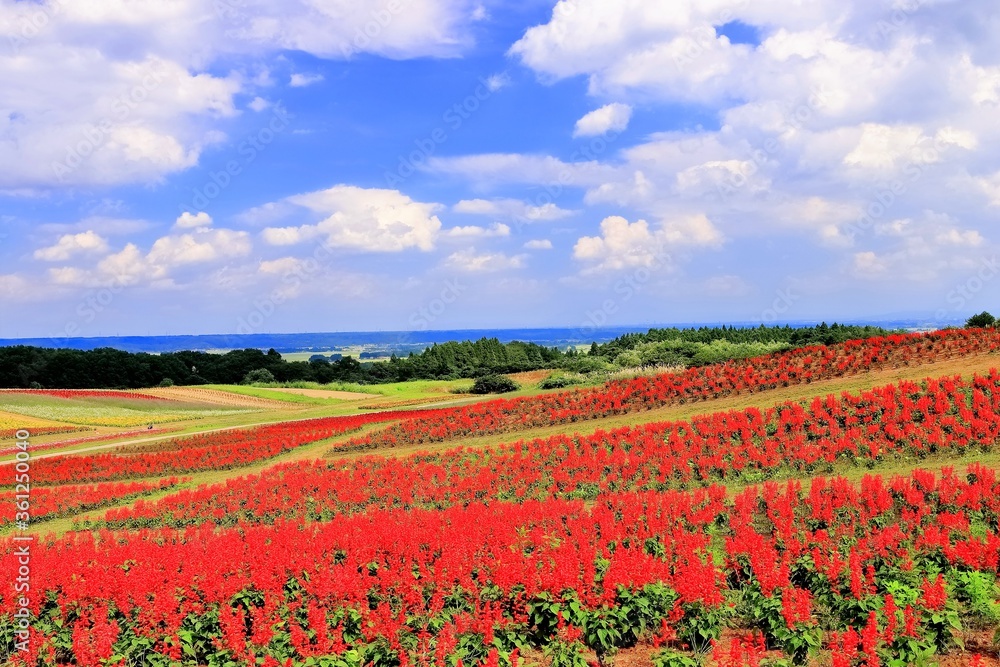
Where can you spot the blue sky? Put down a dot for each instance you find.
(175, 166)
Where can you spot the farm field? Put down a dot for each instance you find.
(112, 409)
(826, 506)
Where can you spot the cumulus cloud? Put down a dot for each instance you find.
(538, 244)
(72, 244)
(499, 168)
(132, 266)
(367, 220)
(473, 231)
(128, 92)
(625, 245)
(513, 209)
(259, 104)
(498, 81)
(303, 80)
(470, 261)
(919, 249)
(189, 220)
(610, 118)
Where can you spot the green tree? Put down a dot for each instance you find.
(258, 375)
(980, 321)
(494, 384)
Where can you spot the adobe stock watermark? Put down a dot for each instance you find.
(795, 119)
(378, 21)
(425, 147)
(96, 135)
(302, 273)
(922, 154)
(626, 288)
(784, 300)
(34, 23)
(705, 36)
(423, 317)
(248, 151)
(551, 192)
(965, 292)
(94, 302)
(22, 543)
(902, 12)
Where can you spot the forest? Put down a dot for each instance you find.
(108, 368)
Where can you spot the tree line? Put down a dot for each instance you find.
(109, 368)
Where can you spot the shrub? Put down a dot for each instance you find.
(258, 376)
(557, 382)
(494, 384)
(980, 321)
(671, 658)
(166, 382)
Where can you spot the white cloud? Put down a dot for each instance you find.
(538, 244)
(283, 266)
(72, 244)
(990, 186)
(497, 168)
(122, 92)
(920, 249)
(625, 245)
(78, 117)
(469, 261)
(303, 80)
(496, 82)
(369, 220)
(259, 104)
(610, 118)
(189, 220)
(621, 245)
(204, 245)
(131, 266)
(513, 209)
(473, 231)
(17, 288)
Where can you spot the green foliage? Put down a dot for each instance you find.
(258, 376)
(493, 384)
(980, 321)
(671, 658)
(701, 625)
(978, 592)
(765, 614)
(166, 382)
(822, 334)
(565, 654)
(558, 382)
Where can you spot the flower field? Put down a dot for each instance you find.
(734, 448)
(76, 394)
(11, 423)
(895, 568)
(772, 371)
(117, 409)
(51, 502)
(730, 539)
(218, 450)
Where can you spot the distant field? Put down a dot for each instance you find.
(314, 393)
(347, 351)
(113, 412)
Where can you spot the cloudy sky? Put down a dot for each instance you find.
(181, 166)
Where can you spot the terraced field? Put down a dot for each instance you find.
(828, 506)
